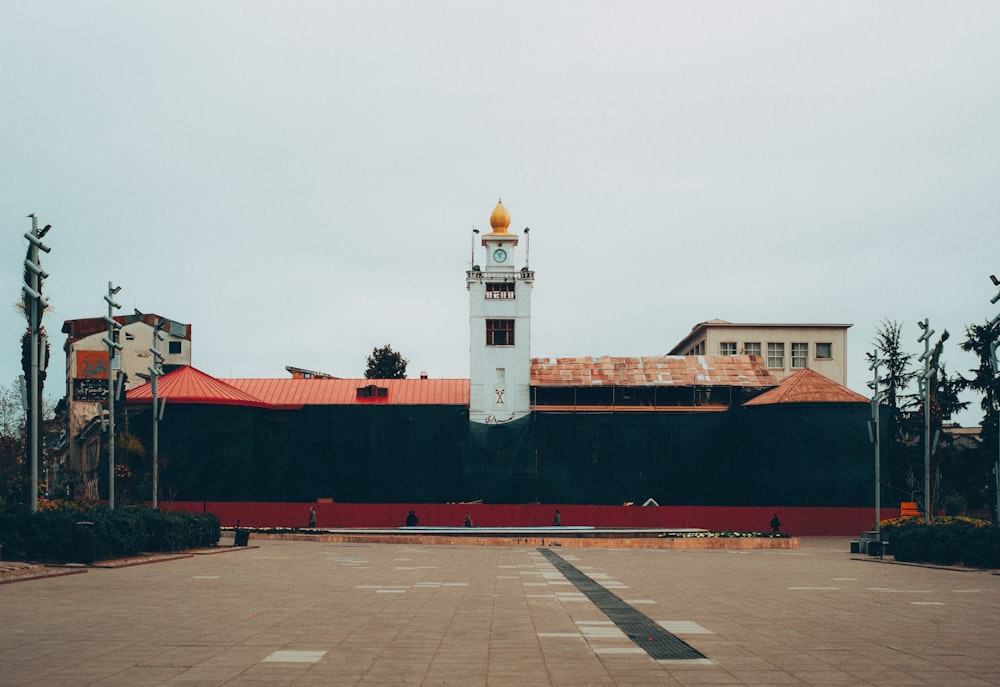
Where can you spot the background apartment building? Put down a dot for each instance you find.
(785, 348)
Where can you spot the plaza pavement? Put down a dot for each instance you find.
(314, 613)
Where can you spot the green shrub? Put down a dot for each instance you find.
(984, 548)
(53, 535)
(948, 541)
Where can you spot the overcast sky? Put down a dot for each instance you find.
(299, 180)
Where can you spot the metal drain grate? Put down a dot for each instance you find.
(657, 642)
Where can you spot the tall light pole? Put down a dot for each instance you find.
(875, 432)
(111, 340)
(925, 388)
(32, 289)
(996, 371)
(155, 370)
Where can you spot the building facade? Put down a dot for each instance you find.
(785, 348)
(87, 372)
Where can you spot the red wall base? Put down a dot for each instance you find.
(798, 521)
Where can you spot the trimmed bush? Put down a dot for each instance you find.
(53, 535)
(948, 541)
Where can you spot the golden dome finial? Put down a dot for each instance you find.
(500, 219)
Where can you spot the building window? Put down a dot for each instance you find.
(499, 332)
(776, 355)
(697, 349)
(727, 348)
(372, 394)
(502, 290)
(174, 347)
(800, 355)
(751, 348)
(824, 351)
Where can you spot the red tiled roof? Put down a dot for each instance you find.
(189, 385)
(807, 386)
(669, 370)
(294, 393)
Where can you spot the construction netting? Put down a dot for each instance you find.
(795, 455)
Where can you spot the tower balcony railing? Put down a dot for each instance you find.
(496, 275)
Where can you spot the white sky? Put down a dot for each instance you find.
(299, 180)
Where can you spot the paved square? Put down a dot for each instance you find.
(311, 613)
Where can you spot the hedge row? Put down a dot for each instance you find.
(948, 541)
(55, 536)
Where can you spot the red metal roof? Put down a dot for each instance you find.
(807, 386)
(78, 329)
(295, 393)
(188, 385)
(669, 370)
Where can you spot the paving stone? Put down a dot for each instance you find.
(811, 616)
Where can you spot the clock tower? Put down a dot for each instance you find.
(499, 327)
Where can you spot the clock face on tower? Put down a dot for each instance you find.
(500, 255)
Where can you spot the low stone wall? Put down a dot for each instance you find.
(798, 521)
(624, 542)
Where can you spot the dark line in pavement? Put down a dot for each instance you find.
(646, 633)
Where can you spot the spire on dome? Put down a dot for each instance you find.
(500, 219)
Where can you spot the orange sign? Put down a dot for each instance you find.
(92, 364)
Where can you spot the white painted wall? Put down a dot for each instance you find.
(499, 376)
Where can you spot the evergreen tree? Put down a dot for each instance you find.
(385, 363)
(896, 376)
(979, 340)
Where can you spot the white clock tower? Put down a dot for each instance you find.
(499, 328)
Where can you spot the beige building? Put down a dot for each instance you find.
(784, 348)
(87, 380)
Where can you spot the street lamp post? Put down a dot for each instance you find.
(155, 370)
(876, 439)
(111, 340)
(32, 288)
(925, 388)
(996, 371)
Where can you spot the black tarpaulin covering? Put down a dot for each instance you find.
(792, 454)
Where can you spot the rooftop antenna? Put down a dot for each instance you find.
(527, 245)
(472, 262)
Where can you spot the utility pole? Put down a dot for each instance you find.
(874, 432)
(32, 288)
(925, 384)
(111, 340)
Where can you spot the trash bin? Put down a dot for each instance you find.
(242, 537)
(855, 546)
(86, 544)
(875, 548)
